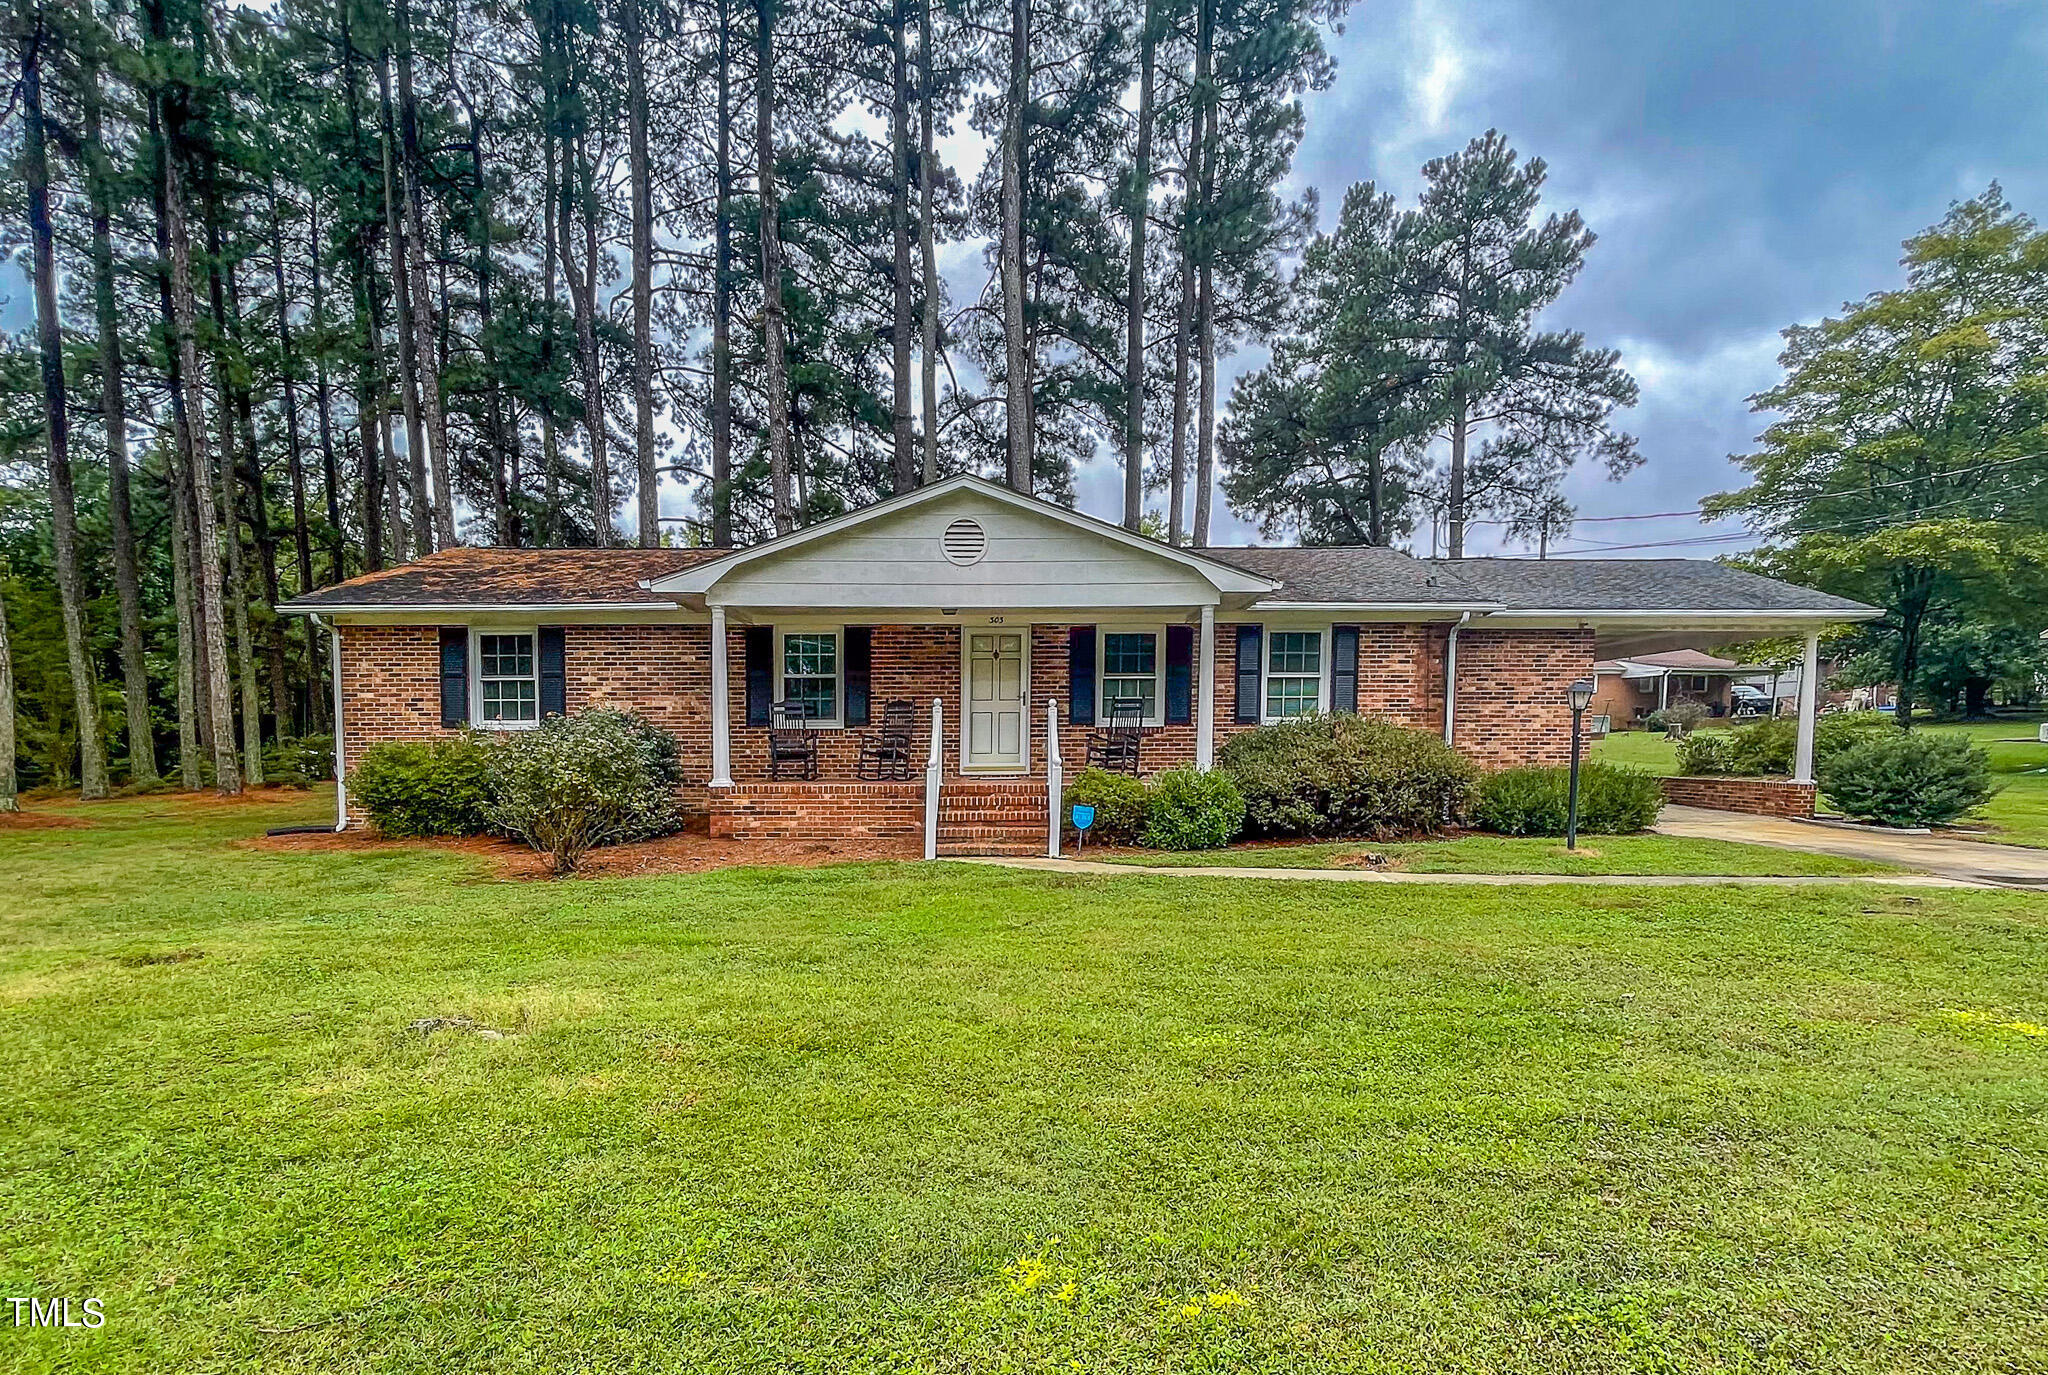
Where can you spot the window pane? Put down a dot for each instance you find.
(1145, 690)
(817, 696)
(1290, 697)
(1129, 654)
(811, 655)
(505, 656)
(510, 699)
(1296, 651)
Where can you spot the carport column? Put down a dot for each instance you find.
(1205, 693)
(1809, 697)
(721, 712)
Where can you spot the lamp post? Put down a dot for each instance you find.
(1580, 695)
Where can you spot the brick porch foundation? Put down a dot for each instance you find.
(823, 810)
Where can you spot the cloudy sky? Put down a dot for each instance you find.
(1746, 165)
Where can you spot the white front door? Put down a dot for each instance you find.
(995, 700)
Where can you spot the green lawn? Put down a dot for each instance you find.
(918, 1118)
(1649, 854)
(2018, 815)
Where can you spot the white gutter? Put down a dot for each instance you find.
(340, 774)
(1451, 677)
(1746, 614)
(478, 608)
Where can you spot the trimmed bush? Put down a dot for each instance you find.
(1707, 752)
(1537, 801)
(1679, 719)
(1191, 810)
(1769, 747)
(425, 789)
(1344, 775)
(1120, 802)
(599, 777)
(1838, 730)
(1908, 779)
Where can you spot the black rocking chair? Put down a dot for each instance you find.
(1115, 746)
(792, 744)
(885, 751)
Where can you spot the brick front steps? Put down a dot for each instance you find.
(986, 816)
(977, 816)
(1756, 796)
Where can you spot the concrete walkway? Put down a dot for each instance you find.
(1975, 861)
(1090, 866)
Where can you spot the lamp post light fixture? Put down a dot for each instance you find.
(1580, 694)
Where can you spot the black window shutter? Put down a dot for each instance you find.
(454, 676)
(1251, 641)
(1081, 675)
(554, 676)
(1180, 655)
(859, 656)
(1344, 668)
(760, 674)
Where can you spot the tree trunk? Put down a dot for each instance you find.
(1205, 257)
(370, 365)
(184, 601)
(903, 468)
(927, 238)
(211, 614)
(775, 372)
(295, 464)
(642, 191)
(1134, 301)
(408, 339)
(583, 296)
(1454, 499)
(330, 472)
(505, 521)
(7, 774)
(721, 297)
(142, 768)
(1016, 339)
(92, 759)
(1184, 326)
(422, 300)
(550, 451)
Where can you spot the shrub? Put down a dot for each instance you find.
(1536, 801)
(1707, 752)
(1191, 810)
(1904, 779)
(1838, 730)
(1679, 719)
(306, 759)
(1344, 775)
(425, 789)
(1120, 802)
(573, 782)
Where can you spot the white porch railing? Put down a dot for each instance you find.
(1053, 776)
(934, 779)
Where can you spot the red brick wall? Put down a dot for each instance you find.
(1511, 704)
(824, 810)
(1757, 796)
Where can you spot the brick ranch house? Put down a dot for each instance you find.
(1010, 623)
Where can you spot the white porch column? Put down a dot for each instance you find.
(1809, 697)
(1205, 693)
(721, 710)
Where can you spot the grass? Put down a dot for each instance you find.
(942, 1118)
(2017, 816)
(1484, 854)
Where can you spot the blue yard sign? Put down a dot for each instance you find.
(1084, 817)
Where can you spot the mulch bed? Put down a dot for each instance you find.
(40, 821)
(687, 853)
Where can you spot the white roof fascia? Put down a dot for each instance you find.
(476, 608)
(704, 576)
(1682, 617)
(1449, 610)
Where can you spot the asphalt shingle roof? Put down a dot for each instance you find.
(1352, 573)
(1636, 585)
(511, 577)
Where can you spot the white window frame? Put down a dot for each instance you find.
(1157, 716)
(837, 720)
(476, 675)
(1323, 642)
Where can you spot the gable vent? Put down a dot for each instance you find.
(965, 542)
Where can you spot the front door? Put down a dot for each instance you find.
(995, 700)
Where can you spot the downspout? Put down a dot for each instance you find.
(1451, 677)
(340, 776)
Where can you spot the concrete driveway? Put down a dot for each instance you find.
(1975, 860)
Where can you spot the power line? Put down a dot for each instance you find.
(1789, 530)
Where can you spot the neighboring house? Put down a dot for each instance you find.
(997, 615)
(1627, 690)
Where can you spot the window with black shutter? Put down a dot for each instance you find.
(554, 672)
(1180, 655)
(1250, 657)
(859, 659)
(454, 676)
(760, 640)
(1344, 668)
(1081, 675)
